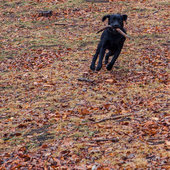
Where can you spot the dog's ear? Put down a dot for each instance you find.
(105, 17)
(124, 17)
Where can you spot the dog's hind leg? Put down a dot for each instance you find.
(116, 55)
(92, 67)
(110, 53)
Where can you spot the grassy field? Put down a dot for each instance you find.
(56, 113)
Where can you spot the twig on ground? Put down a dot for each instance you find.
(70, 25)
(86, 80)
(155, 141)
(103, 140)
(113, 118)
(60, 24)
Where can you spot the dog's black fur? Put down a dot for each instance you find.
(111, 40)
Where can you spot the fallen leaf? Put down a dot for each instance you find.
(167, 142)
(109, 80)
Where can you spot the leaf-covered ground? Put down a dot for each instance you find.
(56, 113)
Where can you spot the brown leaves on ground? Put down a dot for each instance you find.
(56, 113)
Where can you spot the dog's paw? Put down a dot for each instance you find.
(109, 67)
(92, 67)
(98, 68)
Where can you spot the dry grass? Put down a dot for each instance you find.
(50, 106)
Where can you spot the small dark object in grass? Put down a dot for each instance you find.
(86, 80)
(45, 14)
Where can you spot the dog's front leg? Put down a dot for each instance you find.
(101, 55)
(116, 55)
(92, 66)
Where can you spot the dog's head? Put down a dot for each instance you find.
(115, 20)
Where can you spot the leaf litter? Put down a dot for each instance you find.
(51, 101)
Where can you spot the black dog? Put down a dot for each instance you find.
(111, 40)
